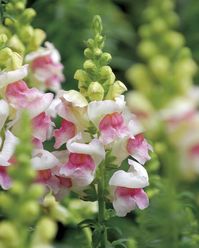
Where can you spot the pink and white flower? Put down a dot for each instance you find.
(6, 153)
(64, 133)
(4, 112)
(21, 97)
(46, 67)
(42, 127)
(108, 117)
(82, 161)
(73, 108)
(127, 189)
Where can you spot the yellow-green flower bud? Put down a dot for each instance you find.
(16, 61)
(38, 37)
(9, 235)
(5, 54)
(19, 6)
(88, 53)
(159, 25)
(8, 22)
(28, 14)
(97, 51)
(144, 31)
(36, 190)
(105, 58)
(3, 39)
(105, 72)
(45, 230)
(159, 65)
(17, 188)
(89, 65)
(27, 33)
(30, 211)
(16, 45)
(95, 91)
(81, 75)
(174, 39)
(5, 201)
(115, 90)
(147, 49)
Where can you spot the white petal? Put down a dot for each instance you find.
(73, 97)
(94, 148)
(123, 205)
(136, 177)
(4, 112)
(8, 149)
(13, 76)
(98, 109)
(43, 160)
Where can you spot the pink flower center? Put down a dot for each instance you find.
(64, 181)
(114, 120)
(17, 88)
(41, 62)
(132, 144)
(124, 192)
(77, 160)
(44, 175)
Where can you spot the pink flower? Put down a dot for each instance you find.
(73, 108)
(82, 161)
(109, 117)
(5, 180)
(138, 148)
(64, 133)
(46, 67)
(126, 187)
(22, 97)
(8, 146)
(4, 112)
(42, 127)
(112, 126)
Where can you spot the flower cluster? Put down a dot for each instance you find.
(95, 124)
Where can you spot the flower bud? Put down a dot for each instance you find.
(105, 58)
(17, 188)
(5, 201)
(160, 66)
(147, 49)
(90, 43)
(158, 26)
(81, 76)
(97, 52)
(28, 14)
(88, 53)
(15, 44)
(19, 6)
(8, 234)
(16, 61)
(115, 90)
(30, 211)
(36, 190)
(89, 65)
(95, 91)
(174, 39)
(27, 33)
(105, 72)
(38, 37)
(45, 230)
(3, 39)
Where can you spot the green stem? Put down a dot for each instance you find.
(102, 206)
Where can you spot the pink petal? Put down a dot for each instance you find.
(21, 97)
(141, 199)
(64, 133)
(5, 181)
